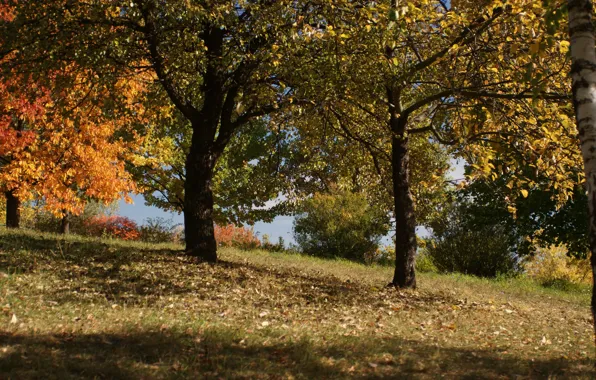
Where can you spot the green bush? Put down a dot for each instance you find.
(384, 255)
(158, 230)
(424, 263)
(342, 225)
(457, 246)
(267, 245)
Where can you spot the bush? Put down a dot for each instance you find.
(159, 230)
(480, 250)
(340, 225)
(267, 245)
(552, 266)
(384, 255)
(42, 220)
(424, 263)
(483, 253)
(238, 237)
(114, 226)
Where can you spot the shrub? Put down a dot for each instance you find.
(424, 263)
(483, 253)
(483, 250)
(158, 230)
(119, 227)
(552, 266)
(267, 245)
(340, 225)
(238, 237)
(384, 255)
(43, 220)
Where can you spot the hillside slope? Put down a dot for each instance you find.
(84, 308)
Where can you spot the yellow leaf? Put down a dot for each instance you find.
(524, 192)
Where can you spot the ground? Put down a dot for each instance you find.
(90, 308)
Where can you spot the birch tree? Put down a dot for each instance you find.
(583, 73)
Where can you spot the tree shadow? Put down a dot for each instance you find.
(223, 354)
(119, 272)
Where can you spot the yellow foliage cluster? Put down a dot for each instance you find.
(552, 264)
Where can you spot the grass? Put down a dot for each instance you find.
(89, 308)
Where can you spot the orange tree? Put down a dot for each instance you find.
(67, 152)
(64, 137)
(16, 111)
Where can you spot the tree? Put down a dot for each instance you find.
(61, 145)
(15, 111)
(350, 151)
(583, 72)
(402, 71)
(256, 166)
(216, 63)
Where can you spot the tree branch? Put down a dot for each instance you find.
(183, 105)
(464, 38)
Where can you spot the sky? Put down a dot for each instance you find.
(139, 212)
(280, 227)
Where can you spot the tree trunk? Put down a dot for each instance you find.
(405, 220)
(198, 205)
(65, 224)
(13, 212)
(583, 73)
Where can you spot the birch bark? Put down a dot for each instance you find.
(583, 73)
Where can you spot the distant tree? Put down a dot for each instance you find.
(340, 224)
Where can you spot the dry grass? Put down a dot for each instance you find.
(84, 308)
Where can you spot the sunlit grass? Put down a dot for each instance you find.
(83, 308)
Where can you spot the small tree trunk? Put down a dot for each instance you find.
(13, 210)
(65, 224)
(583, 73)
(405, 220)
(198, 205)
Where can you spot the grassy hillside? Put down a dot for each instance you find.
(84, 308)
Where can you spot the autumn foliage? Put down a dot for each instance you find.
(119, 227)
(233, 236)
(65, 141)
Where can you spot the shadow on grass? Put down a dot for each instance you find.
(223, 354)
(120, 272)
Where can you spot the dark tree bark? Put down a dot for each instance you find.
(200, 161)
(13, 212)
(65, 224)
(198, 197)
(405, 220)
(198, 204)
(212, 122)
